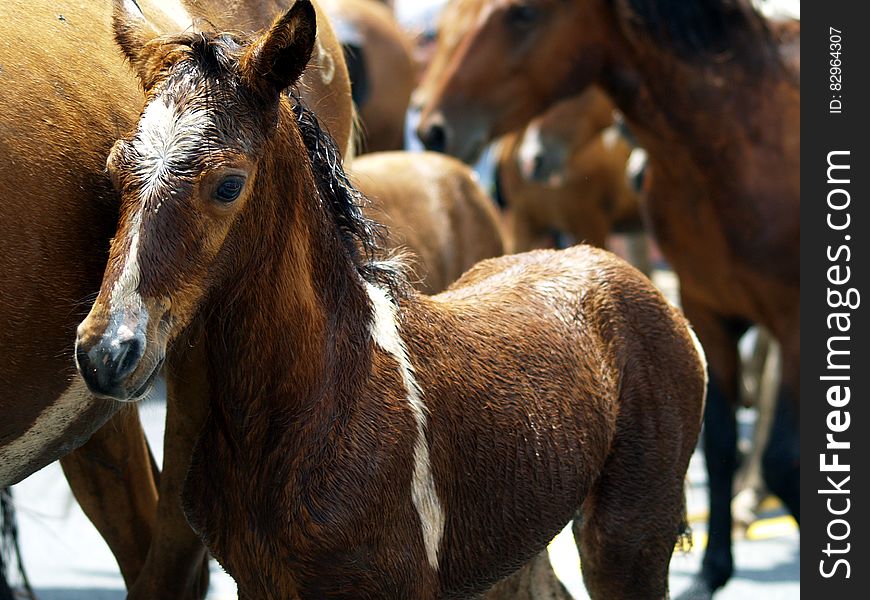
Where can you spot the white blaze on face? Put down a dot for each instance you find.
(531, 148)
(611, 136)
(167, 138)
(385, 333)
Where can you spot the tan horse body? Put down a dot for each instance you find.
(64, 97)
(432, 205)
(381, 66)
(711, 92)
(366, 441)
(591, 197)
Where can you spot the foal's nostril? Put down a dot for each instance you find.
(105, 366)
(129, 354)
(434, 137)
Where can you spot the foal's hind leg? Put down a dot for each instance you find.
(630, 526)
(719, 338)
(535, 581)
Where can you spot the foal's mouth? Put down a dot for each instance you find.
(148, 385)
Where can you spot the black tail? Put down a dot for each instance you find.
(10, 551)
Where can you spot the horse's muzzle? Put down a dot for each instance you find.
(107, 362)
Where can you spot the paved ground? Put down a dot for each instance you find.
(67, 559)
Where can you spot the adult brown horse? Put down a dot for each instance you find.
(366, 441)
(712, 94)
(64, 97)
(433, 206)
(382, 71)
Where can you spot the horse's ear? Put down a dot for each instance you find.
(132, 32)
(276, 60)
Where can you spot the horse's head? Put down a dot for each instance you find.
(500, 62)
(187, 177)
(552, 139)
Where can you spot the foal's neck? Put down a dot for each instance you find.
(290, 338)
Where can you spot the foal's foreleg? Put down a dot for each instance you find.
(177, 562)
(111, 476)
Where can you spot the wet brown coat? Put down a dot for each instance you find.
(542, 380)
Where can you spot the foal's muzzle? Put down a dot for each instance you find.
(112, 352)
(106, 362)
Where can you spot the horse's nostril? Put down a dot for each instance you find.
(434, 137)
(105, 366)
(129, 354)
(538, 167)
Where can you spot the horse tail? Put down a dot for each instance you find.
(10, 550)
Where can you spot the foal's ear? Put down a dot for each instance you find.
(132, 32)
(276, 60)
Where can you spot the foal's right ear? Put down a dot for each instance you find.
(132, 33)
(276, 60)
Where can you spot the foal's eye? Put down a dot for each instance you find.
(229, 189)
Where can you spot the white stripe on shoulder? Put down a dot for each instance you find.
(385, 333)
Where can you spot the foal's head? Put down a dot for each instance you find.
(204, 180)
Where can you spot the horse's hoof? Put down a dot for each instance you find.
(699, 590)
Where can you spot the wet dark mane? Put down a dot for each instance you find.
(362, 237)
(705, 30)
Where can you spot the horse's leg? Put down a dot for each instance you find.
(719, 338)
(111, 476)
(750, 481)
(781, 460)
(636, 510)
(177, 562)
(535, 581)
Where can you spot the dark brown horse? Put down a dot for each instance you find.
(366, 441)
(712, 93)
(64, 98)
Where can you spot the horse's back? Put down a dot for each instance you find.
(432, 206)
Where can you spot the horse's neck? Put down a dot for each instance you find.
(688, 114)
(291, 328)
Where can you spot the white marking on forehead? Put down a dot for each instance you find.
(424, 495)
(531, 146)
(167, 137)
(174, 9)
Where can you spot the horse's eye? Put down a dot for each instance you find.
(229, 189)
(522, 15)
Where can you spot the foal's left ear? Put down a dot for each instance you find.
(276, 60)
